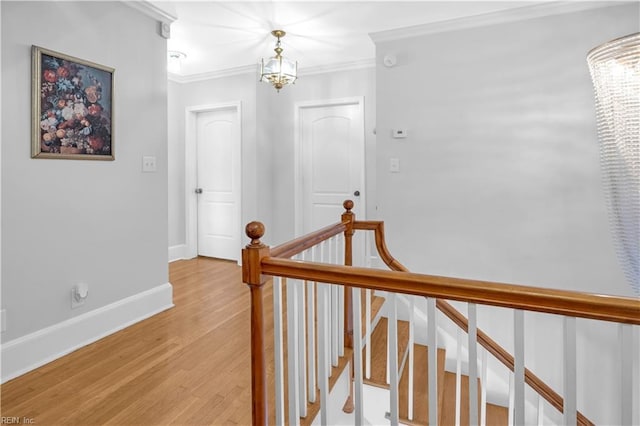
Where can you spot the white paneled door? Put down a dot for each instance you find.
(218, 183)
(330, 156)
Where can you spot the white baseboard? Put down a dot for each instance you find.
(178, 252)
(29, 352)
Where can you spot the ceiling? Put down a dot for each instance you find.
(218, 36)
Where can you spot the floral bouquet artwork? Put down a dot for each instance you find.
(72, 107)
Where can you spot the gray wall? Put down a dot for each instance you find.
(211, 92)
(64, 221)
(280, 108)
(500, 174)
(267, 141)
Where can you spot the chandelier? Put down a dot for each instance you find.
(615, 71)
(278, 70)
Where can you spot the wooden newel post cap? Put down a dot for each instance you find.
(255, 231)
(348, 205)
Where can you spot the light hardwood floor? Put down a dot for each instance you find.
(188, 365)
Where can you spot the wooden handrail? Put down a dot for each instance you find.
(259, 261)
(293, 247)
(560, 302)
(461, 321)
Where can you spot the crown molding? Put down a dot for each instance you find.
(493, 18)
(342, 66)
(245, 69)
(152, 10)
(320, 69)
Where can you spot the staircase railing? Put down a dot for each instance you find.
(261, 263)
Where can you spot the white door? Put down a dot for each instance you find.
(331, 162)
(218, 183)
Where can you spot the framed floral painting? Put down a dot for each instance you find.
(72, 107)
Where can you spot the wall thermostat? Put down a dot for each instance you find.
(399, 133)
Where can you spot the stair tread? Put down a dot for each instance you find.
(379, 351)
(496, 415)
(420, 386)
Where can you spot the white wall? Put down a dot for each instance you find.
(267, 141)
(500, 175)
(103, 223)
(212, 92)
(279, 110)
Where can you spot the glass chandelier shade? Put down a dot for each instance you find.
(615, 71)
(278, 70)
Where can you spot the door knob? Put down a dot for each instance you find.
(357, 193)
(198, 190)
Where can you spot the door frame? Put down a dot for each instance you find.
(299, 106)
(191, 172)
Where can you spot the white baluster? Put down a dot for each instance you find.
(570, 383)
(393, 360)
(292, 352)
(518, 370)
(323, 355)
(311, 336)
(473, 363)
(458, 376)
(411, 356)
(540, 410)
(325, 257)
(357, 357)
(511, 398)
(483, 394)
(335, 313)
(390, 330)
(432, 341)
(278, 349)
(367, 334)
(340, 261)
(625, 333)
(302, 355)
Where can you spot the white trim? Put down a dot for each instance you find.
(151, 10)
(191, 174)
(177, 252)
(356, 100)
(246, 69)
(342, 66)
(539, 10)
(29, 352)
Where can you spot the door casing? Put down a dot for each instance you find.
(191, 172)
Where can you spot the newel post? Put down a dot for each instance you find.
(251, 275)
(349, 218)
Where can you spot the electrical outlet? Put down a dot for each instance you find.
(149, 164)
(3, 320)
(79, 294)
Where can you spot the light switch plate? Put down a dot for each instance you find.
(394, 165)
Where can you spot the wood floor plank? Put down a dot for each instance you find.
(188, 365)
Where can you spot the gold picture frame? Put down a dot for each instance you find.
(72, 107)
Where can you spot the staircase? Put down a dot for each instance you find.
(325, 311)
(496, 415)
